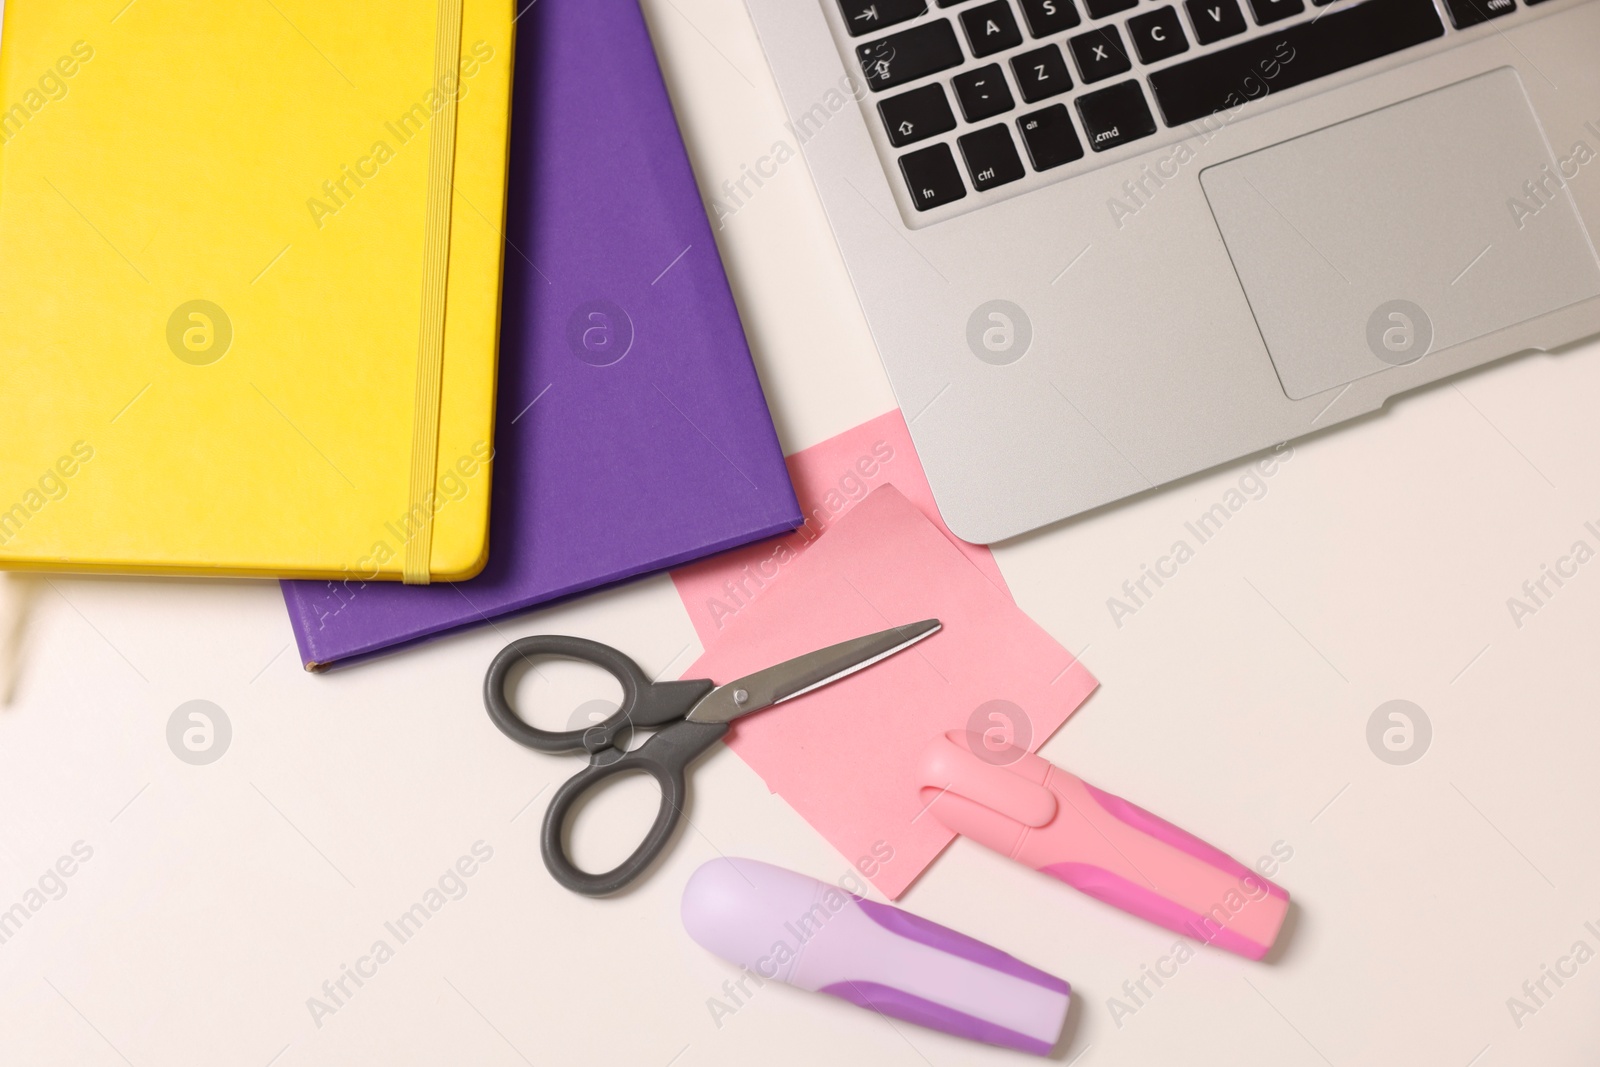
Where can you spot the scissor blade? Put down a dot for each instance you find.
(802, 674)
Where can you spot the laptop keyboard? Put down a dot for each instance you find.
(974, 95)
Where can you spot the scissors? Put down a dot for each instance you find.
(688, 717)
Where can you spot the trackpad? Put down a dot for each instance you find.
(1431, 222)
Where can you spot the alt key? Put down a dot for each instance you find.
(1049, 137)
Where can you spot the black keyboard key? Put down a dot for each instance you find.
(909, 55)
(864, 16)
(1049, 16)
(917, 115)
(1115, 116)
(1157, 35)
(952, 3)
(1273, 62)
(1275, 10)
(1099, 9)
(932, 177)
(1215, 19)
(992, 159)
(1050, 139)
(1099, 54)
(1466, 13)
(991, 28)
(1041, 73)
(983, 93)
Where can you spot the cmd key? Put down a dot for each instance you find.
(1115, 116)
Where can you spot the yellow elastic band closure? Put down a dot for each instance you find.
(435, 282)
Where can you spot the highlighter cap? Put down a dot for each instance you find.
(784, 926)
(990, 794)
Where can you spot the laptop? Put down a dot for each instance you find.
(1104, 244)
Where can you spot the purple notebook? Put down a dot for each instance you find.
(631, 433)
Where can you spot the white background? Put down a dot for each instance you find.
(1377, 566)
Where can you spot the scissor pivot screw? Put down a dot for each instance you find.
(740, 696)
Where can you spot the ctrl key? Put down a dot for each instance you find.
(1115, 116)
(932, 177)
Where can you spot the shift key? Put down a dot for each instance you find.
(909, 55)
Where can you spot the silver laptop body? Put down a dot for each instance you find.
(1104, 244)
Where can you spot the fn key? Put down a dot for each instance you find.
(932, 177)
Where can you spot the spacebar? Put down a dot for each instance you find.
(1337, 40)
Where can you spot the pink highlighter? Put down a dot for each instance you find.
(1027, 808)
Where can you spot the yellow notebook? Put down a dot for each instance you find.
(250, 259)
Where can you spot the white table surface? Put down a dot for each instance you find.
(1378, 565)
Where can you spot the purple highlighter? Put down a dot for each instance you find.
(783, 926)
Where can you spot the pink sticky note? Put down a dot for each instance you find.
(844, 756)
(829, 479)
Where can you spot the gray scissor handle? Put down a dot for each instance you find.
(666, 758)
(643, 703)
